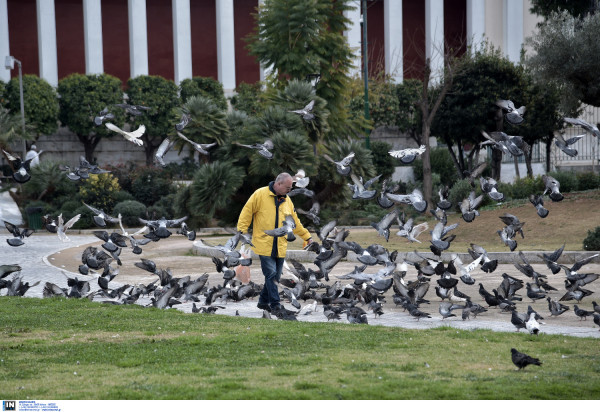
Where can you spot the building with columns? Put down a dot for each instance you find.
(180, 39)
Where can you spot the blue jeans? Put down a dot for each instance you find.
(271, 268)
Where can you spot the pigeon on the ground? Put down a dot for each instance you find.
(582, 313)
(556, 308)
(521, 360)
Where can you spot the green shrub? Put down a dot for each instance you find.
(124, 174)
(122, 196)
(86, 220)
(131, 211)
(70, 206)
(441, 163)
(567, 180)
(592, 240)
(150, 184)
(99, 190)
(249, 98)
(459, 191)
(203, 86)
(383, 162)
(522, 188)
(587, 181)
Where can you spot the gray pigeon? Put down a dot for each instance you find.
(264, 149)
(306, 111)
(563, 144)
(513, 115)
(342, 166)
(383, 226)
(538, 202)
(587, 126)
(552, 188)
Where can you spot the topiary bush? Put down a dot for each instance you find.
(150, 184)
(203, 86)
(99, 190)
(459, 191)
(383, 162)
(441, 163)
(131, 211)
(567, 180)
(592, 240)
(587, 181)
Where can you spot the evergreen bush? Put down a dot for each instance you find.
(588, 181)
(592, 240)
(131, 211)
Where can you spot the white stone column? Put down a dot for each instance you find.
(226, 45)
(46, 25)
(353, 37)
(4, 43)
(434, 37)
(182, 40)
(512, 17)
(392, 26)
(92, 35)
(138, 37)
(475, 23)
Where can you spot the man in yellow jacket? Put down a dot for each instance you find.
(267, 209)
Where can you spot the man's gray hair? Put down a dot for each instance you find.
(282, 176)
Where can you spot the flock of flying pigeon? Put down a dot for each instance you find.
(306, 284)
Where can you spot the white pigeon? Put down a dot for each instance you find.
(62, 228)
(407, 155)
(301, 179)
(131, 136)
(532, 325)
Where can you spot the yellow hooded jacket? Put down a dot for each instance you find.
(260, 210)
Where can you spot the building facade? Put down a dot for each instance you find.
(179, 39)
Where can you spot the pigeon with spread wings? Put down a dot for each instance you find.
(262, 148)
(19, 167)
(343, 166)
(133, 136)
(306, 111)
(513, 115)
(590, 128)
(407, 156)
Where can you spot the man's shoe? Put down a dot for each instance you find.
(278, 308)
(264, 306)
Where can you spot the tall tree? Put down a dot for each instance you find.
(82, 97)
(297, 38)
(40, 103)
(160, 95)
(485, 77)
(566, 52)
(576, 8)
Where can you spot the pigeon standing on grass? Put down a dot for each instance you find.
(521, 360)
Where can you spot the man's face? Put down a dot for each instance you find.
(283, 188)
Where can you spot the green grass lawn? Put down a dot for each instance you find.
(76, 349)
